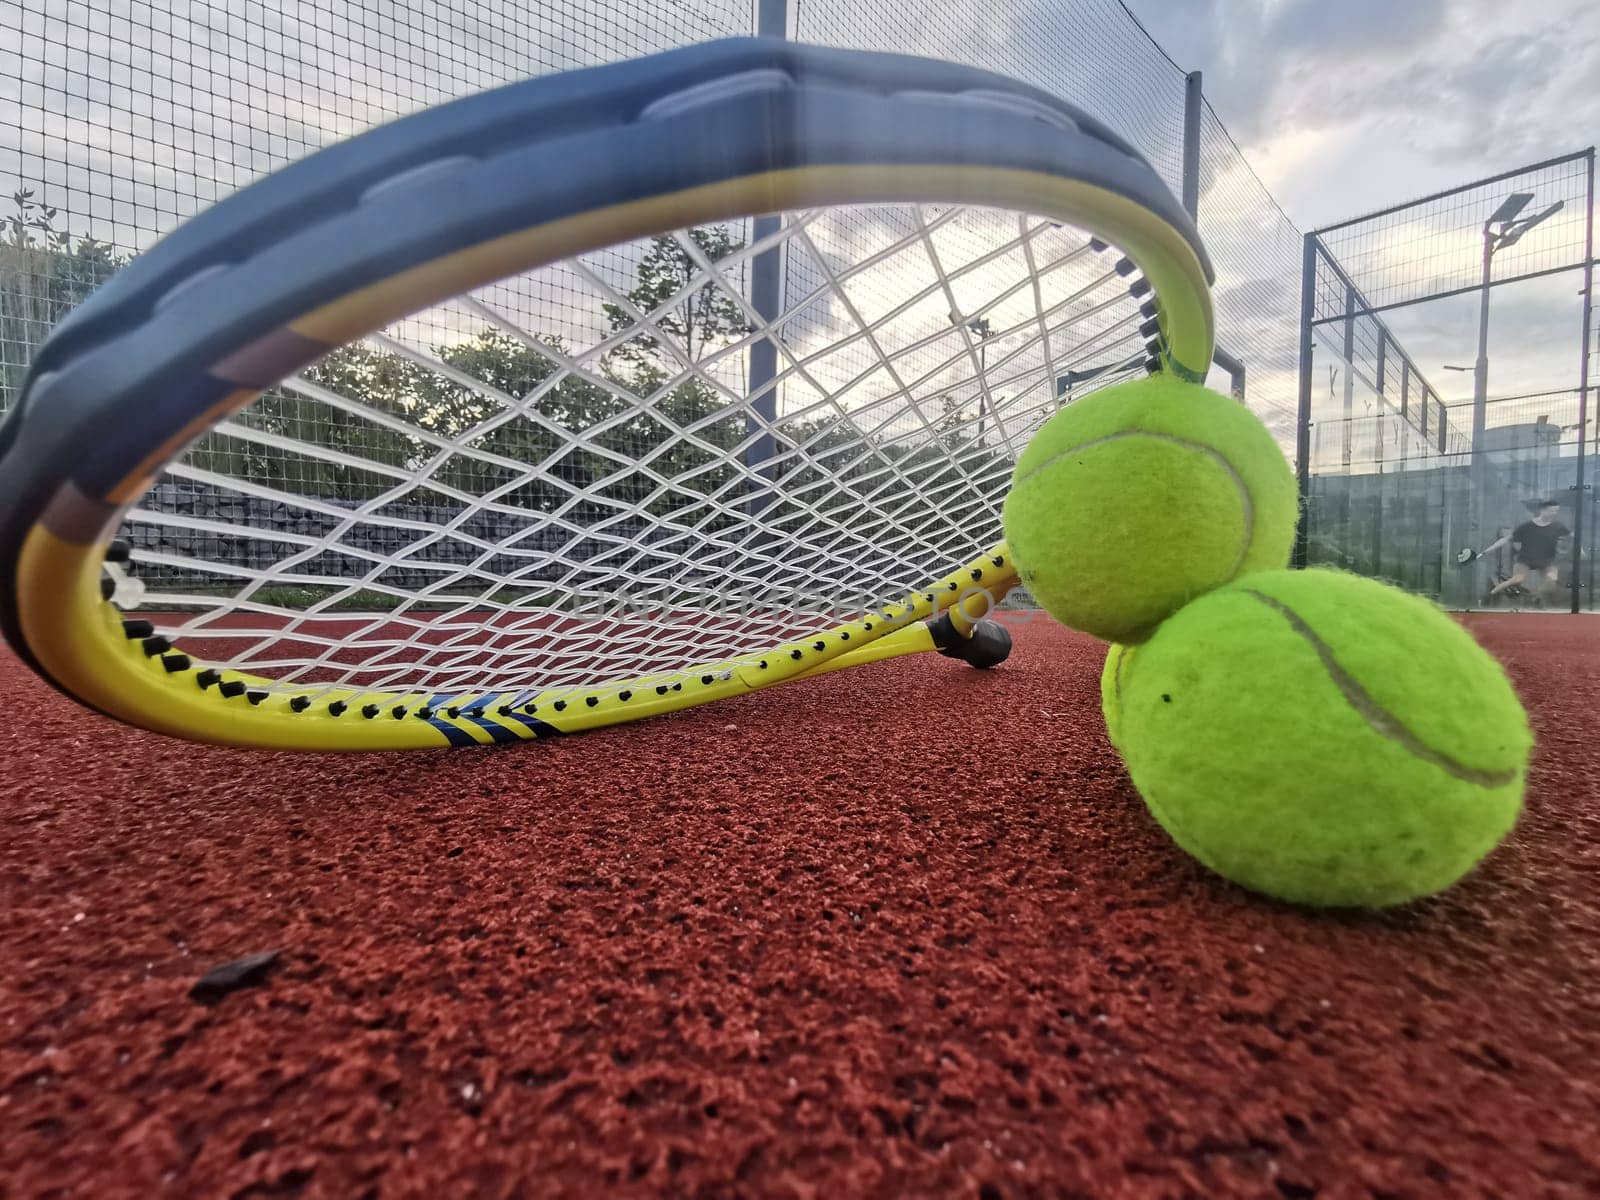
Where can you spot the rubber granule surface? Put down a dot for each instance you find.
(900, 930)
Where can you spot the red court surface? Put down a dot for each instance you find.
(906, 930)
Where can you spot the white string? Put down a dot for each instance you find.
(282, 546)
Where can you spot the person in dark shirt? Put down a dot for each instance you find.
(1534, 542)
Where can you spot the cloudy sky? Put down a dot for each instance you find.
(1349, 106)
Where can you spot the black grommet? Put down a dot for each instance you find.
(425, 713)
(137, 629)
(624, 695)
(337, 707)
(977, 572)
(256, 697)
(952, 586)
(175, 662)
(999, 560)
(504, 710)
(845, 636)
(475, 711)
(819, 644)
(867, 625)
(763, 664)
(591, 701)
(530, 708)
(118, 551)
(452, 712)
(153, 646)
(560, 705)
(207, 677)
(661, 689)
(370, 710)
(300, 703)
(794, 654)
(234, 687)
(706, 679)
(677, 687)
(108, 588)
(398, 711)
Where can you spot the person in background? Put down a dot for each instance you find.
(1534, 543)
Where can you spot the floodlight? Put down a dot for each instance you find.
(1511, 206)
(1521, 227)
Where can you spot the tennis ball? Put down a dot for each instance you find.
(1323, 738)
(1117, 660)
(1134, 500)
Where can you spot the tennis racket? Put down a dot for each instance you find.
(591, 398)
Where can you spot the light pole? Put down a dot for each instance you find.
(1510, 231)
(980, 329)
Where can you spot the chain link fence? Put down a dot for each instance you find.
(1460, 292)
(119, 125)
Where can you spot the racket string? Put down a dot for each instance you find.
(546, 484)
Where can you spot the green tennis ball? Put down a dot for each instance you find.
(1118, 658)
(1323, 738)
(1130, 502)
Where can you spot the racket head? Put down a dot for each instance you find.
(348, 240)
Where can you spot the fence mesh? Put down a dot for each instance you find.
(1434, 247)
(1396, 490)
(567, 431)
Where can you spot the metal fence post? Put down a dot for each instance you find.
(1193, 99)
(766, 297)
(1581, 486)
(1193, 108)
(1302, 432)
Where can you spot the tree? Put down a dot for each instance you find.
(44, 273)
(697, 320)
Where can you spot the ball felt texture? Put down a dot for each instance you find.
(1134, 500)
(1118, 659)
(1323, 738)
